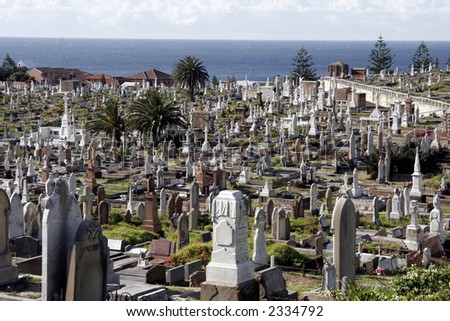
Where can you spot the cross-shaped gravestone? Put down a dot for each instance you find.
(87, 198)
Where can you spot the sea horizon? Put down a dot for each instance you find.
(252, 59)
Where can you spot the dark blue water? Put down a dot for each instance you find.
(255, 59)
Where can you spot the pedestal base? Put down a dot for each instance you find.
(8, 274)
(247, 291)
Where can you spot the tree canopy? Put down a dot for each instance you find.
(191, 74)
(110, 120)
(421, 58)
(154, 114)
(380, 57)
(9, 70)
(303, 65)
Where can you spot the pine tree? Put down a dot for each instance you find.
(380, 56)
(303, 64)
(421, 58)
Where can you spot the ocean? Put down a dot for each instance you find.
(256, 60)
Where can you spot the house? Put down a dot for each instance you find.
(338, 69)
(98, 78)
(152, 76)
(359, 73)
(52, 76)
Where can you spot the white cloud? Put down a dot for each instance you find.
(165, 16)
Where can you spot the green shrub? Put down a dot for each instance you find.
(129, 233)
(115, 216)
(305, 225)
(191, 252)
(424, 284)
(284, 254)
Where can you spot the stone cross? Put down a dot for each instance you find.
(87, 199)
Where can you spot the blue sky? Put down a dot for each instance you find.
(227, 19)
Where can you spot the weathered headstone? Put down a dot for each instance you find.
(27, 246)
(62, 216)
(343, 223)
(259, 240)
(8, 272)
(32, 220)
(88, 264)
(16, 216)
(328, 278)
(182, 231)
(229, 275)
(194, 206)
(103, 212)
(436, 219)
(151, 220)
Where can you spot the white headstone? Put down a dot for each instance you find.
(229, 259)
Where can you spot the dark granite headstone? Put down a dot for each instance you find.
(205, 237)
(192, 267)
(175, 275)
(27, 246)
(157, 274)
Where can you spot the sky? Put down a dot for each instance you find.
(227, 19)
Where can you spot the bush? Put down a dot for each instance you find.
(424, 284)
(284, 254)
(129, 233)
(191, 252)
(115, 216)
(305, 225)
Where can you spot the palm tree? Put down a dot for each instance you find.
(190, 73)
(110, 120)
(154, 114)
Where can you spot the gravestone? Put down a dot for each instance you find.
(375, 211)
(62, 216)
(229, 275)
(16, 216)
(413, 230)
(163, 201)
(280, 225)
(140, 211)
(32, 219)
(194, 206)
(313, 199)
(8, 272)
(328, 278)
(175, 275)
(87, 199)
(88, 264)
(396, 212)
(437, 219)
(343, 223)
(103, 212)
(273, 285)
(27, 246)
(388, 208)
(182, 231)
(192, 267)
(329, 199)
(268, 210)
(151, 220)
(259, 239)
(171, 206)
(178, 204)
(205, 237)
